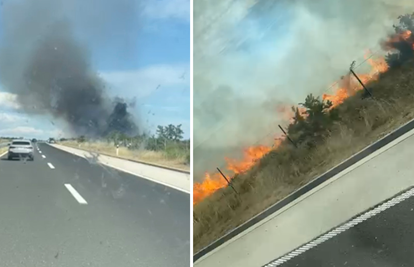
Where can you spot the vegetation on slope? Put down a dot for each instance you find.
(167, 147)
(324, 136)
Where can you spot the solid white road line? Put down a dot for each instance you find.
(3, 154)
(43, 156)
(50, 165)
(75, 194)
(342, 228)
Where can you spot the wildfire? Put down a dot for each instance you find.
(251, 155)
(210, 184)
(349, 85)
(343, 89)
(213, 182)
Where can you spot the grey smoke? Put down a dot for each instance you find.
(250, 56)
(45, 61)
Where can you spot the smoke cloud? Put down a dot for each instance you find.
(45, 61)
(251, 56)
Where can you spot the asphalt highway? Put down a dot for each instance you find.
(384, 240)
(63, 210)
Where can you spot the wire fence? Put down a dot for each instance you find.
(361, 72)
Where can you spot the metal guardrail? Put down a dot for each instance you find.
(308, 187)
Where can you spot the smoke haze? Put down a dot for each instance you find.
(251, 56)
(45, 61)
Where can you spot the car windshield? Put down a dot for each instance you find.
(94, 166)
(21, 143)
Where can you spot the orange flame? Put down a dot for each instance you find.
(213, 182)
(343, 89)
(349, 85)
(251, 155)
(406, 35)
(210, 184)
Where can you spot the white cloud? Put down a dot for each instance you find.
(9, 100)
(21, 130)
(142, 82)
(167, 9)
(11, 118)
(58, 133)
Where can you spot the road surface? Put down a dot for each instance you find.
(61, 210)
(384, 240)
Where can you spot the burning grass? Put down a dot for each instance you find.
(177, 161)
(268, 174)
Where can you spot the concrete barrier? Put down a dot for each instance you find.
(376, 173)
(174, 179)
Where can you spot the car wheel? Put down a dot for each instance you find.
(9, 158)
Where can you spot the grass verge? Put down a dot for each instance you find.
(282, 171)
(3, 150)
(171, 157)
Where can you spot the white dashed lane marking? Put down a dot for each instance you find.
(50, 165)
(43, 156)
(75, 194)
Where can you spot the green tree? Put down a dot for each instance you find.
(314, 124)
(317, 113)
(406, 22)
(81, 139)
(113, 137)
(162, 135)
(152, 143)
(404, 46)
(174, 133)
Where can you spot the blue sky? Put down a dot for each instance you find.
(155, 72)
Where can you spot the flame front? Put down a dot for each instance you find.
(251, 155)
(345, 88)
(213, 182)
(349, 85)
(210, 184)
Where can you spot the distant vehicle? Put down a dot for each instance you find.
(34, 140)
(51, 141)
(20, 148)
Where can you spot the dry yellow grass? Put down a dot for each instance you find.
(286, 169)
(3, 150)
(146, 156)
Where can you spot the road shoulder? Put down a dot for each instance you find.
(173, 179)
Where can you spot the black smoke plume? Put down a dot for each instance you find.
(50, 71)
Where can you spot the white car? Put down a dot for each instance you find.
(20, 148)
